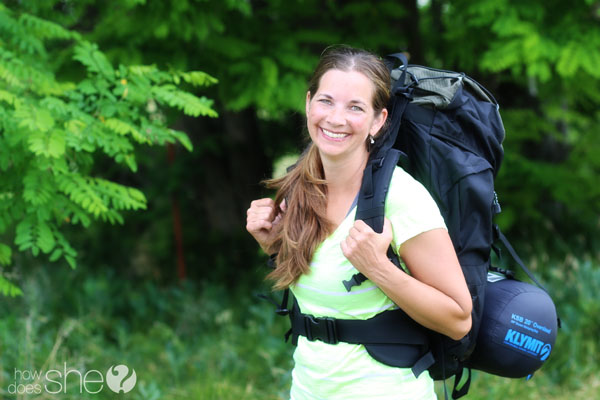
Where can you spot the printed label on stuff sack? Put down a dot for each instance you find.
(526, 343)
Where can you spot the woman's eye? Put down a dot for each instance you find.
(356, 108)
(325, 101)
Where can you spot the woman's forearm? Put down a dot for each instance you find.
(425, 304)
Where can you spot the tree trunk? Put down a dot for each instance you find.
(411, 24)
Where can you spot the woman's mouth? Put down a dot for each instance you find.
(334, 135)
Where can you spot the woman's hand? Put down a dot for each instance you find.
(435, 294)
(366, 249)
(262, 216)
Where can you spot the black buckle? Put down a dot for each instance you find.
(350, 283)
(355, 280)
(321, 328)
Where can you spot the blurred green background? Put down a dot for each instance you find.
(134, 134)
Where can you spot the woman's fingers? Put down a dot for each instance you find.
(262, 209)
(258, 225)
(365, 248)
(261, 217)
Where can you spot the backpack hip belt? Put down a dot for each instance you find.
(393, 330)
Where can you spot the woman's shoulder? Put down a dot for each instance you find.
(410, 208)
(402, 181)
(405, 193)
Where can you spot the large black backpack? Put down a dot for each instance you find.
(446, 131)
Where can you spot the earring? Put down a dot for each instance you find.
(370, 142)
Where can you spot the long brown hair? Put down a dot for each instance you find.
(304, 224)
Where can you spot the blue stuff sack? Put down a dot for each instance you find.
(518, 329)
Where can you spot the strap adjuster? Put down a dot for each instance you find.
(378, 162)
(321, 328)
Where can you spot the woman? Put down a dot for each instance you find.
(311, 227)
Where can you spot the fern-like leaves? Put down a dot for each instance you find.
(51, 132)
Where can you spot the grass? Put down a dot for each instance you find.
(184, 342)
(204, 341)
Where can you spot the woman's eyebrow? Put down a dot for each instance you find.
(353, 101)
(358, 101)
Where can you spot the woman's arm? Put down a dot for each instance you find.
(435, 294)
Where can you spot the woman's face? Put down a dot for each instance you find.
(340, 115)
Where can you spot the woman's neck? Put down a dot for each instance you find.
(344, 176)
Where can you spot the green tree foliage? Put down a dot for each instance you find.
(52, 131)
(541, 59)
(262, 53)
(538, 58)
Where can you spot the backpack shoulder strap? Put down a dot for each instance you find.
(371, 201)
(374, 189)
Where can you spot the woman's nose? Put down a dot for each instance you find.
(336, 116)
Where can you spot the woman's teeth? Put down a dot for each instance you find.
(333, 134)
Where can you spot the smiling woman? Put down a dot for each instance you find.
(311, 231)
(340, 116)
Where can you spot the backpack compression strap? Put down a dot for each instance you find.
(499, 235)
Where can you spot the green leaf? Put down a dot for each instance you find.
(124, 128)
(50, 144)
(119, 196)
(128, 159)
(38, 187)
(45, 240)
(44, 29)
(87, 87)
(34, 119)
(71, 261)
(9, 77)
(35, 234)
(198, 78)
(96, 62)
(8, 288)
(5, 254)
(569, 59)
(7, 97)
(56, 254)
(187, 102)
(56, 106)
(24, 235)
(78, 189)
(183, 138)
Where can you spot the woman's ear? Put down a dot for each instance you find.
(378, 122)
(307, 102)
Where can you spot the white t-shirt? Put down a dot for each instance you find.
(346, 371)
